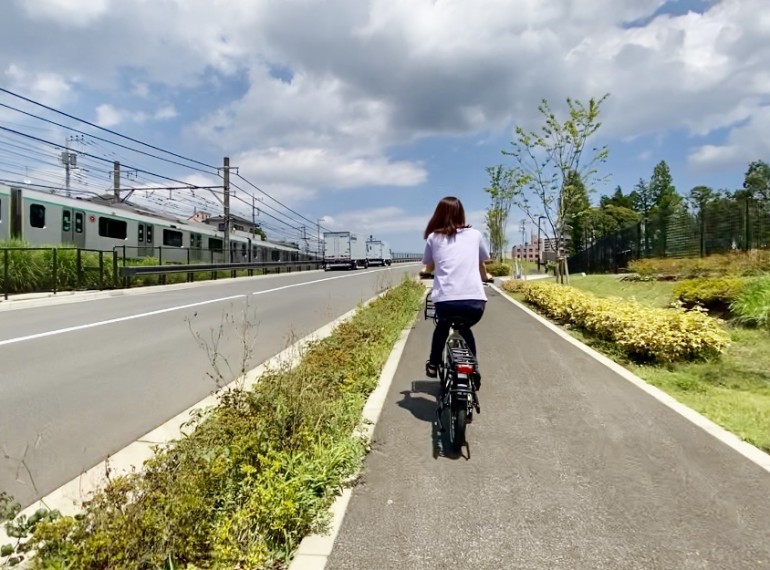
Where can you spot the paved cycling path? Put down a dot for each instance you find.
(571, 467)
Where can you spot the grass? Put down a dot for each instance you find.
(256, 474)
(733, 391)
(649, 293)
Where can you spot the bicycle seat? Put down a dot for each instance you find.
(458, 322)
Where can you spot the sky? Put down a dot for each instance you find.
(363, 114)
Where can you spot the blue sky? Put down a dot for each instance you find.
(364, 113)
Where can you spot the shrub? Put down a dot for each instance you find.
(31, 270)
(645, 334)
(735, 263)
(713, 293)
(514, 285)
(752, 305)
(499, 269)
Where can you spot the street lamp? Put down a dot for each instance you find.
(539, 243)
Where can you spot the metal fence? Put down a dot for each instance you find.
(54, 269)
(720, 226)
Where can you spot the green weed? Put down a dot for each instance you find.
(256, 474)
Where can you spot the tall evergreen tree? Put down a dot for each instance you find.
(667, 202)
(576, 208)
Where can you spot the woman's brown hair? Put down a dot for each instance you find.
(448, 217)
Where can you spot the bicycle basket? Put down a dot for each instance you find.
(430, 309)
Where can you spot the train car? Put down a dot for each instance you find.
(5, 213)
(42, 218)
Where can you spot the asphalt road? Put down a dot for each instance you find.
(80, 381)
(571, 467)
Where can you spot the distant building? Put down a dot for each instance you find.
(236, 223)
(528, 251)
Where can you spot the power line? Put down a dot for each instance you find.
(94, 156)
(105, 129)
(278, 201)
(103, 140)
(137, 170)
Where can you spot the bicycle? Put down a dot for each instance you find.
(458, 380)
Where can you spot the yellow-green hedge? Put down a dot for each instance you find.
(709, 291)
(645, 334)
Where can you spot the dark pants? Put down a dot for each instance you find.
(470, 311)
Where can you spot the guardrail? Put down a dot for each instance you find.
(129, 271)
(54, 269)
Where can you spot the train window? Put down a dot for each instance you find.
(215, 244)
(66, 220)
(275, 255)
(141, 233)
(78, 222)
(37, 216)
(244, 250)
(149, 234)
(196, 241)
(172, 238)
(112, 228)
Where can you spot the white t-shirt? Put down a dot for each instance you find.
(456, 276)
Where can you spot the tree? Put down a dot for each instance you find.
(757, 180)
(576, 207)
(699, 197)
(644, 201)
(618, 199)
(545, 159)
(756, 198)
(502, 190)
(667, 201)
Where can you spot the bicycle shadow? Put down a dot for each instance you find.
(424, 408)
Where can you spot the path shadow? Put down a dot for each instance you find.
(422, 401)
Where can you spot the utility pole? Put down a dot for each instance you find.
(69, 160)
(116, 180)
(226, 176)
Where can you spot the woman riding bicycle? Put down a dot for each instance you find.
(455, 254)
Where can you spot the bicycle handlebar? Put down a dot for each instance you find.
(424, 275)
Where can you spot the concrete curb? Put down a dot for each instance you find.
(68, 498)
(750, 452)
(314, 550)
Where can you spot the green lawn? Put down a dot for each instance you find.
(733, 391)
(652, 293)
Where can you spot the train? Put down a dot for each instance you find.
(41, 218)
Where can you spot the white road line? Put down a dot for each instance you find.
(316, 281)
(170, 309)
(117, 320)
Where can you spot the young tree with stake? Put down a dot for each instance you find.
(545, 161)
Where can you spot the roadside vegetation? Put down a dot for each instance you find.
(31, 271)
(698, 329)
(256, 474)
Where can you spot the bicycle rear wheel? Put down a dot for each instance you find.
(457, 423)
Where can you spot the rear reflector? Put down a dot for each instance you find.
(464, 369)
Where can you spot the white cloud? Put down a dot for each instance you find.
(299, 173)
(49, 88)
(108, 116)
(166, 112)
(359, 78)
(745, 143)
(67, 13)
